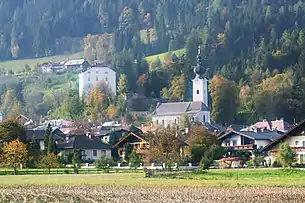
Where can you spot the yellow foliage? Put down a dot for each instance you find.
(14, 153)
(112, 112)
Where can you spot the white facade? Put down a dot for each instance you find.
(202, 117)
(94, 154)
(200, 90)
(90, 78)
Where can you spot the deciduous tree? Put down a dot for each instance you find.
(224, 100)
(11, 130)
(286, 155)
(49, 161)
(164, 146)
(15, 153)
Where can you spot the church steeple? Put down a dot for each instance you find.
(197, 69)
(200, 86)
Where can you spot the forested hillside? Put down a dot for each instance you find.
(256, 47)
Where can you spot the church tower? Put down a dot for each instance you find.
(200, 85)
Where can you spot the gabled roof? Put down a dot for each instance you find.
(252, 135)
(131, 134)
(178, 108)
(83, 142)
(293, 131)
(39, 134)
(75, 62)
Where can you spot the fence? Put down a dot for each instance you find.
(90, 169)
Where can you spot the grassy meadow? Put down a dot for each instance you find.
(161, 56)
(218, 178)
(17, 65)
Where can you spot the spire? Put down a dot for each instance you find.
(197, 69)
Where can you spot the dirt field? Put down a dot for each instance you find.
(151, 194)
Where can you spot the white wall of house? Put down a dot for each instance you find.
(94, 154)
(296, 141)
(90, 78)
(262, 143)
(232, 141)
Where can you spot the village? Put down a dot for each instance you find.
(238, 146)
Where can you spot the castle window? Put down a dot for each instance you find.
(197, 92)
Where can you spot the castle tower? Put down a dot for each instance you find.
(200, 85)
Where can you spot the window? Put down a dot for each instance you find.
(96, 72)
(96, 78)
(94, 152)
(234, 142)
(227, 143)
(296, 143)
(162, 122)
(157, 122)
(175, 121)
(106, 72)
(197, 92)
(204, 118)
(303, 143)
(88, 79)
(103, 152)
(106, 79)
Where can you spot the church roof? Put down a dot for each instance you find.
(177, 108)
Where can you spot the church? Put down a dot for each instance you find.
(198, 110)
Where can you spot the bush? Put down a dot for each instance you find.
(276, 164)
(286, 155)
(103, 163)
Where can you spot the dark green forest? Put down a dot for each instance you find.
(256, 48)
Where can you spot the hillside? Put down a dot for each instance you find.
(153, 58)
(253, 52)
(18, 65)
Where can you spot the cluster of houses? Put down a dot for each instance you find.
(96, 141)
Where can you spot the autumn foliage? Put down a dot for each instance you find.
(15, 153)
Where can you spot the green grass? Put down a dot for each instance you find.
(231, 178)
(17, 65)
(153, 58)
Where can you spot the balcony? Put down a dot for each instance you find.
(241, 147)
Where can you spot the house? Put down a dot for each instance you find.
(52, 67)
(276, 125)
(138, 143)
(92, 148)
(243, 140)
(24, 120)
(295, 137)
(76, 64)
(197, 110)
(38, 135)
(91, 77)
